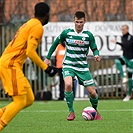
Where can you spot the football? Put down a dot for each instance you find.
(89, 113)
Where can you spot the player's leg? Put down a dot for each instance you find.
(119, 63)
(29, 95)
(19, 102)
(12, 109)
(93, 96)
(18, 90)
(69, 97)
(29, 99)
(130, 85)
(2, 110)
(94, 100)
(86, 80)
(68, 74)
(130, 81)
(119, 66)
(69, 93)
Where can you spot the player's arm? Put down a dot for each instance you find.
(115, 42)
(94, 49)
(57, 41)
(32, 54)
(52, 48)
(32, 44)
(126, 43)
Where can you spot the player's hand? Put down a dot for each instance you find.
(51, 71)
(113, 41)
(97, 58)
(47, 61)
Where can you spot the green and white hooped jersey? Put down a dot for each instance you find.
(77, 48)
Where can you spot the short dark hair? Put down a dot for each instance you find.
(41, 9)
(79, 14)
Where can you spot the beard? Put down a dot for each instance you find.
(45, 21)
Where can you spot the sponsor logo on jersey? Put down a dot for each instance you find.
(70, 40)
(79, 42)
(75, 41)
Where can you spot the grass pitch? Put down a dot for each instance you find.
(50, 117)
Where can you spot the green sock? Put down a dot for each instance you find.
(94, 102)
(119, 67)
(69, 99)
(129, 86)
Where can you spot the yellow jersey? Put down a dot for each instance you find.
(28, 35)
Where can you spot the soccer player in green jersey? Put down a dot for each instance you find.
(78, 41)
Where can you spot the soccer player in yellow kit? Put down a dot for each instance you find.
(23, 45)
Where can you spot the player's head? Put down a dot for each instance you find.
(42, 12)
(79, 15)
(79, 20)
(124, 29)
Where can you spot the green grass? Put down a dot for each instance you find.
(50, 117)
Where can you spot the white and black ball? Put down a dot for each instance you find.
(89, 113)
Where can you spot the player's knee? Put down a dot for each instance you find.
(68, 86)
(21, 103)
(92, 92)
(30, 101)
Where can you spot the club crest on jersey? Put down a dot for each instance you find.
(83, 38)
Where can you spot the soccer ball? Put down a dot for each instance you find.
(89, 113)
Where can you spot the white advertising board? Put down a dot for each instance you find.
(103, 32)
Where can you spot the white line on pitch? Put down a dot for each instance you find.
(116, 110)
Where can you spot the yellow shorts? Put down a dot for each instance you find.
(14, 81)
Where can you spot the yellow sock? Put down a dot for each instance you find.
(2, 125)
(2, 110)
(19, 102)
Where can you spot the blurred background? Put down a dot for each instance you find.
(109, 14)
